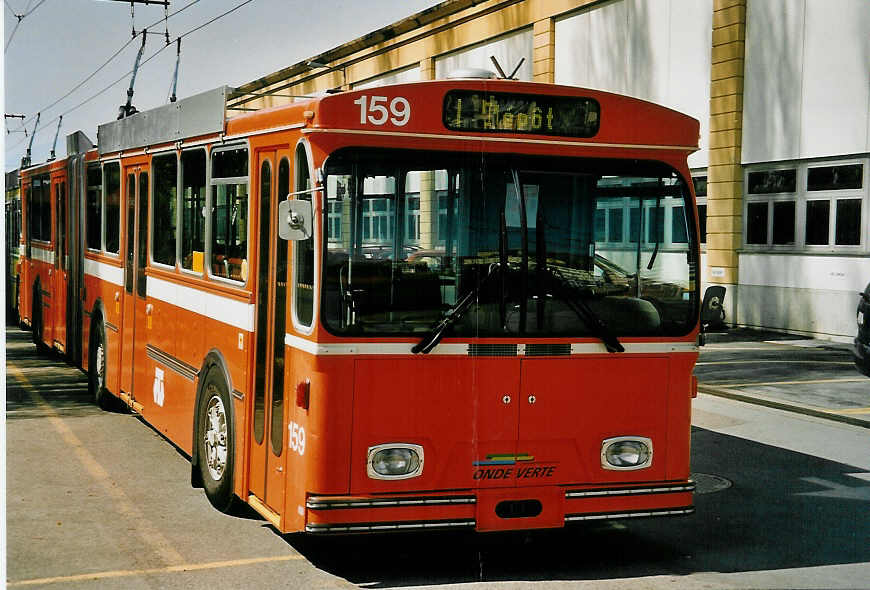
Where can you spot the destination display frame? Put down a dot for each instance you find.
(518, 113)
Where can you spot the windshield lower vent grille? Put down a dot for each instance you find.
(548, 349)
(492, 350)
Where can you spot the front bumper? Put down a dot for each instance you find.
(497, 509)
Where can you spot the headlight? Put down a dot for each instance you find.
(626, 452)
(395, 461)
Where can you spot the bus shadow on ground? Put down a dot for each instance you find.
(62, 387)
(784, 510)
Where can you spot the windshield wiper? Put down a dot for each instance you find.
(586, 314)
(436, 332)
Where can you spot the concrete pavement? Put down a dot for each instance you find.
(812, 377)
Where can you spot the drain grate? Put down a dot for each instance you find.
(706, 483)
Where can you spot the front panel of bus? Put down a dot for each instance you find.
(514, 334)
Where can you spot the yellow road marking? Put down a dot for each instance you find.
(187, 567)
(850, 411)
(807, 382)
(143, 527)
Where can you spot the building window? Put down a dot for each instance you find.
(818, 222)
(783, 222)
(700, 184)
(806, 207)
(848, 225)
(767, 182)
(702, 223)
(756, 223)
(828, 178)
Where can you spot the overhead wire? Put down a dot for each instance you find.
(20, 18)
(124, 76)
(108, 61)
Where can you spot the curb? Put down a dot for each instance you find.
(781, 405)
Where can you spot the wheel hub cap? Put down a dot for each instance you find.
(215, 437)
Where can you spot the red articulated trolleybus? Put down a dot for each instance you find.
(465, 303)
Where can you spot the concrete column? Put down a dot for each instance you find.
(428, 210)
(427, 68)
(725, 173)
(544, 51)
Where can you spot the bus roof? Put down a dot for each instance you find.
(420, 108)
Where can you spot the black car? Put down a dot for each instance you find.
(862, 340)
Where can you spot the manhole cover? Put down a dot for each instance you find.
(706, 483)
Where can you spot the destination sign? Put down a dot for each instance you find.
(507, 112)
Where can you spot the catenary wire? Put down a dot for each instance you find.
(105, 63)
(123, 77)
(20, 18)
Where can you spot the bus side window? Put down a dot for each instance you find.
(112, 206)
(94, 207)
(141, 283)
(229, 219)
(193, 210)
(303, 263)
(164, 201)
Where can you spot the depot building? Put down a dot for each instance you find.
(780, 88)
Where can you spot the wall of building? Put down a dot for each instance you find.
(806, 107)
(774, 84)
(657, 50)
(807, 93)
(508, 50)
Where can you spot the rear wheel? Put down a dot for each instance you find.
(215, 441)
(97, 367)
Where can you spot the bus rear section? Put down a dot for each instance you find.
(507, 339)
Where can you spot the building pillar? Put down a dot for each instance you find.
(427, 68)
(725, 173)
(544, 51)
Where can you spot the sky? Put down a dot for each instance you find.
(62, 42)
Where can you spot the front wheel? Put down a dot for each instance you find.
(216, 442)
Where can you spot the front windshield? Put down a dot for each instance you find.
(411, 234)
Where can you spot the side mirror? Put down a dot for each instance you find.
(712, 310)
(295, 220)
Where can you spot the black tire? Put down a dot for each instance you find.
(36, 323)
(215, 440)
(97, 366)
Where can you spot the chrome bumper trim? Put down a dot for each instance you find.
(382, 527)
(639, 491)
(326, 503)
(622, 515)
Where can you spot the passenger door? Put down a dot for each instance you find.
(267, 460)
(134, 322)
(59, 301)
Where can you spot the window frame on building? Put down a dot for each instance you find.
(803, 198)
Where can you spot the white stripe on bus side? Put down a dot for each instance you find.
(105, 272)
(37, 253)
(222, 309)
(461, 348)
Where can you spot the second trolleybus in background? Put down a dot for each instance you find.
(457, 303)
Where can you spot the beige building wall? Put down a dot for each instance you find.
(419, 42)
